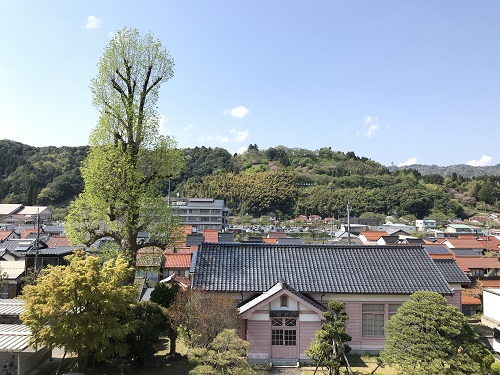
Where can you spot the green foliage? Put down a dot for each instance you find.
(44, 176)
(149, 322)
(429, 336)
(164, 295)
(83, 307)
(226, 354)
(128, 160)
(330, 342)
(495, 368)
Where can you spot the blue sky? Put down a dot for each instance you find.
(398, 82)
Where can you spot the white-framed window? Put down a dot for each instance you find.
(373, 319)
(284, 332)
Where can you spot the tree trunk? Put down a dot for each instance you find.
(172, 336)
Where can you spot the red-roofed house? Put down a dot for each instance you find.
(471, 304)
(177, 263)
(28, 231)
(7, 234)
(270, 240)
(481, 266)
(465, 243)
(210, 235)
(57, 241)
(371, 237)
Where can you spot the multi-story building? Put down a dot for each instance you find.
(425, 224)
(202, 213)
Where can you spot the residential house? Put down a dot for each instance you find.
(283, 290)
(458, 228)
(371, 237)
(491, 307)
(149, 263)
(7, 234)
(177, 264)
(425, 224)
(481, 266)
(15, 340)
(465, 243)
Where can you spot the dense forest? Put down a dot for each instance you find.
(287, 181)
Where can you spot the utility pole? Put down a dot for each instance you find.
(37, 242)
(348, 223)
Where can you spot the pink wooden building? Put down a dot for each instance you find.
(282, 291)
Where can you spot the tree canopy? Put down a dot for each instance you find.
(329, 347)
(82, 307)
(429, 336)
(129, 160)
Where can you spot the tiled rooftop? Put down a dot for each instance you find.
(452, 271)
(317, 268)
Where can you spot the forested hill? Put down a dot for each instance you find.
(463, 170)
(288, 181)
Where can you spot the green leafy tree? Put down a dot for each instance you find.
(429, 336)
(164, 295)
(330, 347)
(149, 322)
(226, 354)
(83, 307)
(128, 160)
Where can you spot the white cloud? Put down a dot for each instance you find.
(242, 150)
(240, 135)
(372, 129)
(93, 22)
(238, 112)
(235, 136)
(485, 160)
(373, 126)
(410, 161)
(370, 119)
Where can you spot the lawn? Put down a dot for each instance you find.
(360, 365)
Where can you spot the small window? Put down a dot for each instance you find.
(277, 322)
(284, 301)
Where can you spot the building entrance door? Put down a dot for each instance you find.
(284, 338)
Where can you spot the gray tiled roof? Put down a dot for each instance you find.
(466, 252)
(194, 239)
(451, 271)
(289, 241)
(317, 268)
(226, 237)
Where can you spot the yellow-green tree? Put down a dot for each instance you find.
(83, 307)
(128, 159)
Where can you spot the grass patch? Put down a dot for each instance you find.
(360, 365)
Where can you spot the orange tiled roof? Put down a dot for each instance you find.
(489, 283)
(27, 232)
(462, 266)
(4, 234)
(490, 242)
(468, 297)
(465, 243)
(177, 261)
(372, 235)
(211, 235)
(270, 240)
(480, 262)
(57, 241)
